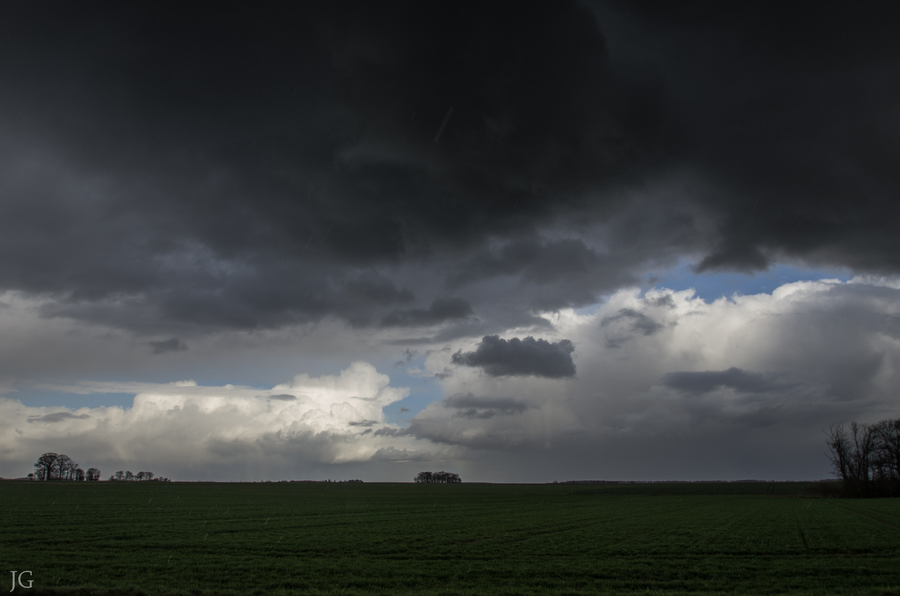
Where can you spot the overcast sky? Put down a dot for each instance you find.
(522, 242)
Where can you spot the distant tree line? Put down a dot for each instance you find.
(437, 478)
(326, 481)
(128, 476)
(59, 466)
(867, 458)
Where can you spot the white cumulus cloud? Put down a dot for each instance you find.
(669, 385)
(181, 428)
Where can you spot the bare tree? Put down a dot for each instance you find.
(139, 476)
(46, 467)
(120, 475)
(864, 442)
(129, 475)
(148, 475)
(865, 457)
(93, 474)
(888, 459)
(66, 467)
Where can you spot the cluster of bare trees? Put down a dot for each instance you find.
(59, 466)
(127, 475)
(867, 457)
(437, 478)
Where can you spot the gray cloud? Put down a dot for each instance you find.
(294, 175)
(442, 309)
(735, 378)
(298, 156)
(541, 263)
(57, 417)
(468, 431)
(626, 323)
(471, 406)
(172, 344)
(529, 356)
(392, 454)
(387, 431)
(759, 92)
(559, 177)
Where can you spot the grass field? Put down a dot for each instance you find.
(318, 538)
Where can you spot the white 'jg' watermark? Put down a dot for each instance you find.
(21, 579)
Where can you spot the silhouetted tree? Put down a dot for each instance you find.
(47, 467)
(888, 456)
(59, 466)
(437, 478)
(65, 466)
(867, 458)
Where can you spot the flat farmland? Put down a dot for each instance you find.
(335, 538)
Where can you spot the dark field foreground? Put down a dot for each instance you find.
(299, 538)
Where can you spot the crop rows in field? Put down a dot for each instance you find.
(406, 538)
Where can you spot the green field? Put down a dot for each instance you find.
(318, 538)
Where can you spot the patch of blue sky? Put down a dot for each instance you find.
(422, 391)
(712, 286)
(45, 398)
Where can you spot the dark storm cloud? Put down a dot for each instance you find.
(735, 378)
(168, 345)
(471, 406)
(790, 111)
(520, 357)
(247, 168)
(168, 167)
(539, 262)
(442, 309)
